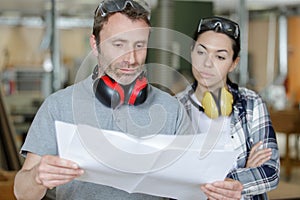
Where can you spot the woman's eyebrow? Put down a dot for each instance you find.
(220, 50)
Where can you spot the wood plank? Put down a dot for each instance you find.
(285, 190)
(7, 134)
(6, 185)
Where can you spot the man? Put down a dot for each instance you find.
(119, 96)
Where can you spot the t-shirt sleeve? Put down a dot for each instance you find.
(184, 124)
(41, 137)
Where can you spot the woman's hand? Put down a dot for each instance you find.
(228, 189)
(258, 156)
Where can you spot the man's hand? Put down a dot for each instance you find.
(52, 171)
(228, 189)
(258, 156)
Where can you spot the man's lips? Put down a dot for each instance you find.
(127, 70)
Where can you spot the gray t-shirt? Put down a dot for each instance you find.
(77, 104)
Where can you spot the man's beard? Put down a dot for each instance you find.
(123, 78)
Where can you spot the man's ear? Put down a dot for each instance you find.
(93, 45)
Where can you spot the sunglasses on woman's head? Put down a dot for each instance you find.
(111, 6)
(218, 23)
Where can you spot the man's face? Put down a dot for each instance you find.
(123, 48)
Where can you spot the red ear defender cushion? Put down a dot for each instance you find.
(138, 92)
(112, 94)
(109, 92)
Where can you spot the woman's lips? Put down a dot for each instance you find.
(206, 75)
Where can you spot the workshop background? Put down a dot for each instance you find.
(44, 43)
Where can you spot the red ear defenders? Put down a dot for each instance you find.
(113, 94)
(215, 106)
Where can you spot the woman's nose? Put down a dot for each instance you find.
(208, 61)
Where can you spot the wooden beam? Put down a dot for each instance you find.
(7, 138)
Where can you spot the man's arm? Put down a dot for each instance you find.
(41, 173)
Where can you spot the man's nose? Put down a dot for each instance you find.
(130, 57)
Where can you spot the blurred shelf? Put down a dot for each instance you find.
(287, 122)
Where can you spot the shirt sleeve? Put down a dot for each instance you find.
(264, 178)
(41, 139)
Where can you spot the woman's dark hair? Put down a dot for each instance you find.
(220, 25)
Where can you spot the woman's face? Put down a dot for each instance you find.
(212, 60)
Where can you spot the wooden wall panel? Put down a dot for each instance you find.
(257, 48)
(294, 59)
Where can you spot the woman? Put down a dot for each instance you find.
(239, 114)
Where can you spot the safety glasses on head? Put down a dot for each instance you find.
(111, 6)
(226, 26)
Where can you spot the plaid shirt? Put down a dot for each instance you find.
(250, 124)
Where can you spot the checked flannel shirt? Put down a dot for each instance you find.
(250, 123)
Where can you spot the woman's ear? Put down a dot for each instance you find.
(93, 45)
(234, 64)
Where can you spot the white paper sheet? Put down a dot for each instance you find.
(161, 165)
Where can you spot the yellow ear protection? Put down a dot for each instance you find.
(215, 106)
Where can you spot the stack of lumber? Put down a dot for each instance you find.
(6, 185)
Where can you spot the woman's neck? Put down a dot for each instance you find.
(200, 90)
